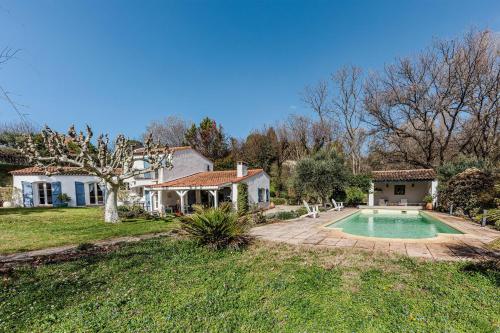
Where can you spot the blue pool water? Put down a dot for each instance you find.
(393, 224)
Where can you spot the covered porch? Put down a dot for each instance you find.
(181, 199)
(402, 188)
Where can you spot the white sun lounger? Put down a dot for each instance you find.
(337, 206)
(311, 211)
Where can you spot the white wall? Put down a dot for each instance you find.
(67, 185)
(414, 194)
(260, 180)
(185, 163)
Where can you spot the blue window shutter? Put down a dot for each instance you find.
(56, 191)
(27, 194)
(80, 193)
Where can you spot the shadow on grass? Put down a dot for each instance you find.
(36, 210)
(473, 252)
(487, 268)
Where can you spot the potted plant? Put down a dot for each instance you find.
(428, 202)
(64, 199)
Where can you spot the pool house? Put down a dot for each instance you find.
(402, 188)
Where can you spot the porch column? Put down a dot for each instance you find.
(234, 195)
(215, 194)
(161, 208)
(434, 186)
(181, 194)
(371, 195)
(198, 197)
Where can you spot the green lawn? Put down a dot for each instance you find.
(166, 285)
(23, 229)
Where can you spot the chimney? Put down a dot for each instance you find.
(241, 169)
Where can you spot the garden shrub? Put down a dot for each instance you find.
(131, 212)
(301, 211)
(470, 191)
(285, 215)
(451, 169)
(217, 228)
(279, 201)
(258, 218)
(361, 181)
(354, 196)
(493, 215)
(138, 212)
(293, 214)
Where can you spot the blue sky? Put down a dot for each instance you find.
(119, 64)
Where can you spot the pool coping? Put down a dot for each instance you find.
(440, 237)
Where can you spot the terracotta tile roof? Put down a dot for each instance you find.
(51, 170)
(415, 174)
(208, 178)
(140, 151)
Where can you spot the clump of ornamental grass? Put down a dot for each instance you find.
(217, 228)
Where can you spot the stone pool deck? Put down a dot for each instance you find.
(472, 245)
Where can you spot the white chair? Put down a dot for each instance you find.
(381, 202)
(311, 212)
(337, 206)
(403, 202)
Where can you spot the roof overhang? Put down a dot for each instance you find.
(192, 187)
(413, 175)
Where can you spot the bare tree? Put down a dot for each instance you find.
(424, 107)
(7, 53)
(169, 131)
(113, 167)
(316, 98)
(348, 108)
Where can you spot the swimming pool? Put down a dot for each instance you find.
(393, 224)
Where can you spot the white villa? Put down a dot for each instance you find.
(190, 181)
(402, 187)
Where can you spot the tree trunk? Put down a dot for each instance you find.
(111, 207)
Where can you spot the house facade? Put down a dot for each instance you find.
(209, 188)
(191, 180)
(33, 187)
(402, 187)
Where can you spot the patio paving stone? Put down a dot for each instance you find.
(330, 241)
(346, 242)
(418, 250)
(397, 247)
(308, 231)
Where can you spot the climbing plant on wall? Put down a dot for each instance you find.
(242, 199)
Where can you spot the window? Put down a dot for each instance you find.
(96, 196)
(262, 194)
(399, 189)
(44, 194)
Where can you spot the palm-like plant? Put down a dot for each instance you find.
(217, 228)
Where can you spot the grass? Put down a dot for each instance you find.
(166, 285)
(495, 245)
(24, 229)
